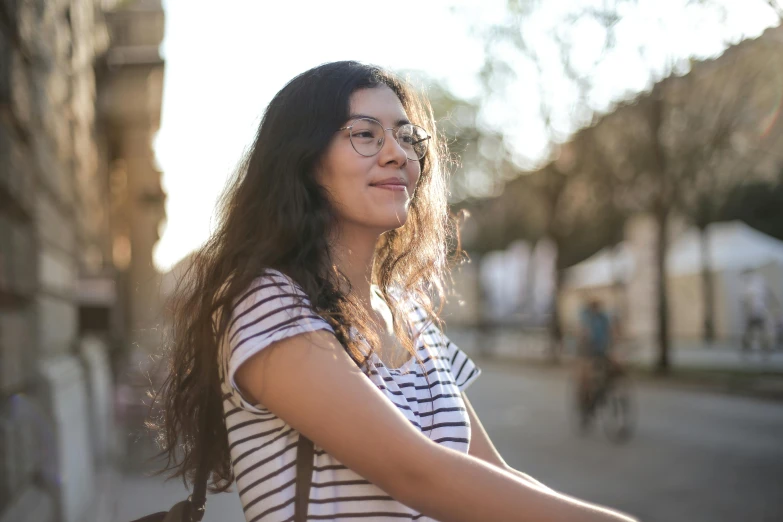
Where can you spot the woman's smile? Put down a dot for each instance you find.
(393, 184)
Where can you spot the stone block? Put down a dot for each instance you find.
(27, 444)
(83, 31)
(63, 39)
(58, 322)
(62, 140)
(56, 88)
(53, 226)
(17, 257)
(57, 271)
(101, 392)
(17, 347)
(28, 25)
(33, 505)
(6, 460)
(7, 144)
(20, 90)
(6, 273)
(69, 407)
(87, 90)
(5, 69)
(23, 244)
(15, 169)
(48, 168)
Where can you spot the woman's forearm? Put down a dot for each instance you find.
(527, 478)
(454, 487)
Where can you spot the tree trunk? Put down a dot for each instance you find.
(555, 326)
(707, 286)
(662, 210)
(483, 329)
(662, 247)
(528, 298)
(620, 293)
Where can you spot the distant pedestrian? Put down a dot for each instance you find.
(758, 305)
(596, 343)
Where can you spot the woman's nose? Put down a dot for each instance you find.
(392, 150)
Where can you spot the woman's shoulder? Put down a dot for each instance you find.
(270, 282)
(276, 277)
(272, 306)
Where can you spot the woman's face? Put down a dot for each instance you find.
(372, 193)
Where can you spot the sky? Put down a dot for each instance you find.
(226, 60)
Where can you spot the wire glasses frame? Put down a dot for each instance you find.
(368, 136)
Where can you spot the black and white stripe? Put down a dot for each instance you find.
(263, 446)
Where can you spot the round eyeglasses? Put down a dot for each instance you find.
(368, 137)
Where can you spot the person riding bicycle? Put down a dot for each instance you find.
(596, 343)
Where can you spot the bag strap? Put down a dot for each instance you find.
(304, 477)
(199, 497)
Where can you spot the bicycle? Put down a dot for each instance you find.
(608, 399)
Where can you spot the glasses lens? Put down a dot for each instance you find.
(366, 136)
(413, 140)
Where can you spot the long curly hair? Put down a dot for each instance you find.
(273, 214)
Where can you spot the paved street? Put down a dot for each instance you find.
(696, 457)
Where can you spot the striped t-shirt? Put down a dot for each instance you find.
(263, 446)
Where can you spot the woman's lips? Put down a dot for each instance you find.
(391, 186)
(393, 183)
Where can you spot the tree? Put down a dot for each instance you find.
(566, 201)
(562, 184)
(776, 6)
(714, 113)
(759, 204)
(479, 157)
(656, 166)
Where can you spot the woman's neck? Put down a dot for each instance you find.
(353, 254)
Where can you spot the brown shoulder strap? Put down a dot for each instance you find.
(304, 477)
(198, 500)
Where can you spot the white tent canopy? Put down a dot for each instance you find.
(733, 246)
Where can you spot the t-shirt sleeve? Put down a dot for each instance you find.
(272, 309)
(462, 367)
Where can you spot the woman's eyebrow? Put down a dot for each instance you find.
(401, 121)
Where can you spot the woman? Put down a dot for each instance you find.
(308, 311)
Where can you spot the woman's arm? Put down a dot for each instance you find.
(482, 448)
(309, 381)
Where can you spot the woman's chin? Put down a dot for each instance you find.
(393, 221)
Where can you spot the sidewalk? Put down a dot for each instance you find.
(136, 492)
(532, 345)
(140, 495)
(720, 356)
(720, 369)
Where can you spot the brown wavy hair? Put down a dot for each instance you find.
(273, 214)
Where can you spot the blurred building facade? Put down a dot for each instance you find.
(620, 278)
(80, 207)
(722, 124)
(731, 104)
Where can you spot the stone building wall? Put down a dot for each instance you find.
(58, 145)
